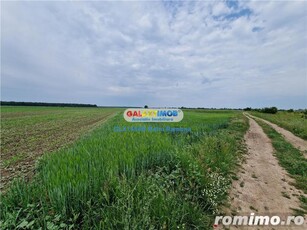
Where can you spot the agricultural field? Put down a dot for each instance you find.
(154, 115)
(292, 121)
(110, 179)
(28, 132)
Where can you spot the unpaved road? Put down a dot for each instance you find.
(263, 187)
(297, 142)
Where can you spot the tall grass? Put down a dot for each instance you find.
(294, 122)
(132, 180)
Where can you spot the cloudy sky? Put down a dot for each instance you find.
(160, 53)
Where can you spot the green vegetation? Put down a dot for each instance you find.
(28, 132)
(12, 160)
(132, 180)
(271, 110)
(294, 122)
(291, 159)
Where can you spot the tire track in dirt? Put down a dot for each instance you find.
(264, 186)
(297, 142)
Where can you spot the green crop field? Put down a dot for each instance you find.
(28, 132)
(294, 122)
(129, 180)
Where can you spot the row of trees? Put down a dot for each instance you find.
(274, 110)
(15, 103)
(271, 110)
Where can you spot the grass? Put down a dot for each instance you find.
(294, 122)
(253, 208)
(291, 159)
(32, 129)
(254, 176)
(132, 180)
(28, 132)
(12, 160)
(286, 195)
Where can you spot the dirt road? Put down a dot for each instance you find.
(297, 142)
(263, 187)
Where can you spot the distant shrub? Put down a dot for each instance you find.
(290, 110)
(271, 110)
(247, 109)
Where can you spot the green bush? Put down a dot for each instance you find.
(271, 110)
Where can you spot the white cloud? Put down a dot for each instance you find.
(157, 53)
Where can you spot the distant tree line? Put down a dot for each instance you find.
(204, 108)
(15, 103)
(271, 110)
(274, 110)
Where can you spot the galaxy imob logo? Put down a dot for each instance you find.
(153, 115)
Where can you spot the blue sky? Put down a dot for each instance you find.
(159, 53)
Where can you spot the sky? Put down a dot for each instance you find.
(218, 54)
